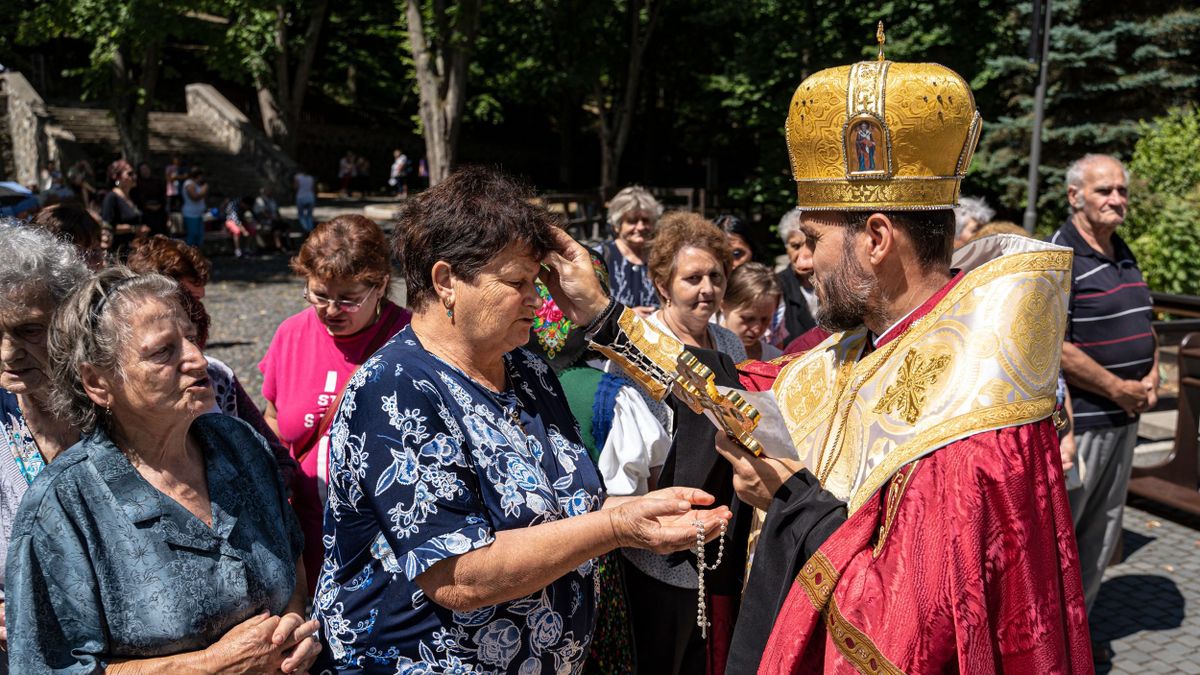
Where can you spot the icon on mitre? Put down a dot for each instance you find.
(866, 149)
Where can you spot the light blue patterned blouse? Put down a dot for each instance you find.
(427, 464)
(102, 565)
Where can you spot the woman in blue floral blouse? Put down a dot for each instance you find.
(464, 514)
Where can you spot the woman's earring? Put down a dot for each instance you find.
(449, 308)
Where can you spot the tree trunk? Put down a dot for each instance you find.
(441, 70)
(616, 120)
(281, 97)
(131, 102)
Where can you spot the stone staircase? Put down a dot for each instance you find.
(96, 139)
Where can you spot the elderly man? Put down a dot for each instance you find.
(925, 527)
(799, 305)
(1110, 356)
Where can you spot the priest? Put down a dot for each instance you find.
(924, 526)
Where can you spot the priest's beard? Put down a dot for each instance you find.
(845, 297)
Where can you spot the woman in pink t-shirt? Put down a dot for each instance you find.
(346, 270)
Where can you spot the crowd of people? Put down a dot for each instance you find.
(137, 203)
(504, 474)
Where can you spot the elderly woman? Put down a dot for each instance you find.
(37, 272)
(690, 267)
(188, 267)
(163, 541)
(632, 213)
(749, 306)
(346, 272)
(971, 214)
(797, 312)
(464, 514)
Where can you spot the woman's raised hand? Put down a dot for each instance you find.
(567, 271)
(665, 520)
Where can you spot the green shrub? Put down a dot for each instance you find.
(1163, 227)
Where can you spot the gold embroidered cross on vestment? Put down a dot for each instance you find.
(907, 394)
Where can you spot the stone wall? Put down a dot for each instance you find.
(23, 116)
(233, 130)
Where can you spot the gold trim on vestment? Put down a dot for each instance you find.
(1007, 415)
(855, 646)
(896, 488)
(818, 577)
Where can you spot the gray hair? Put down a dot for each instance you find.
(91, 327)
(630, 199)
(1075, 170)
(789, 224)
(972, 208)
(34, 265)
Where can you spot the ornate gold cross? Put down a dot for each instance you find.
(907, 394)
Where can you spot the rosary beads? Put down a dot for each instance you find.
(701, 568)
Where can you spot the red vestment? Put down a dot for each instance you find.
(964, 561)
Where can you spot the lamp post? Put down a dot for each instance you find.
(1039, 50)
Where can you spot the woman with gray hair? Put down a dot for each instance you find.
(971, 214)
(632, 214)
(162, 541)
(37, 272)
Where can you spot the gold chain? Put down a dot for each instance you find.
(823, 468)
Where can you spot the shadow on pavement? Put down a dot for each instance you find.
(1133, 541)
(268, 268)
(1133, 603)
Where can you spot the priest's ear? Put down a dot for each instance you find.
(882, 233)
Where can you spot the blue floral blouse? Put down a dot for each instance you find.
(630, 284)
(427, 464)
(102, 565)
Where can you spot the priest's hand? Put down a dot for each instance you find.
(755, 479)
(1066, 450)
(568, 273)
(664, 521)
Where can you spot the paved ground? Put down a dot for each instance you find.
(1144, 611)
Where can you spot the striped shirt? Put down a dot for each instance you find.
(1109, 319)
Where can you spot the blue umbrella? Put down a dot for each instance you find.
(11, 189)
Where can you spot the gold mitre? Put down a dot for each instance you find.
(879, 136)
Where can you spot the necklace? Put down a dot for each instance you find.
(836, 447)
(701, 568)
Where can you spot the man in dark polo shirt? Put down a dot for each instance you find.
(1109, 356)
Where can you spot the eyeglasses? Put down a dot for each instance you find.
(347, 306)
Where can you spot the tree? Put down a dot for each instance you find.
(614, 96)
(440, 38)
(126, 58)
(1165, 202)
(281, 89)
(1112, 64)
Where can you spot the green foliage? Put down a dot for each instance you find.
(1112, 64)
(1169, 246)
(1163, 227)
